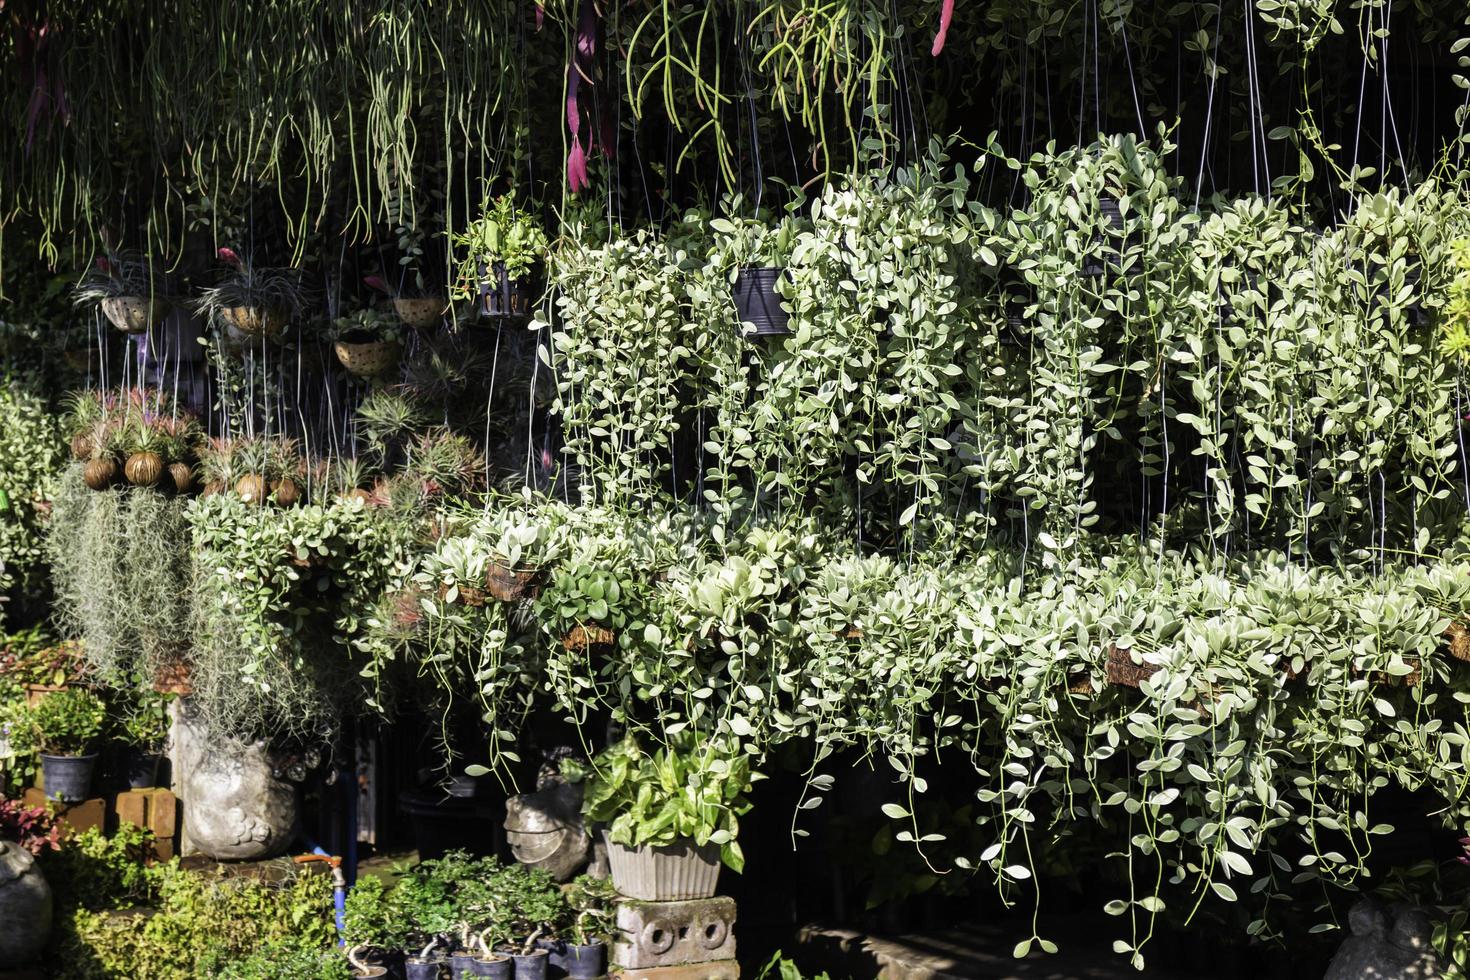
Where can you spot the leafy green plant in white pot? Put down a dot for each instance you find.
(671, 817)
(502, 248)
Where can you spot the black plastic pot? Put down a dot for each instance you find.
(420, 969)
(757, 302)
(142, 768)
(502, 296)
(579, 962)
(501, 968)
(461, 963)
(532, 965)
(1111, 210)
(68, 777)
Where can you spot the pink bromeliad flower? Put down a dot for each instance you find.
(377, 283)
(229, 255)
(1465, 846)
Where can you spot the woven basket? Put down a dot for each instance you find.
(1121, 670)
(131, 314)
(589, 638)
(252, 321)
(419, 314)
(371, 359)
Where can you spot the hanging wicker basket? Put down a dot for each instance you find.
(369, 359)
(418, 314)
(131, 314)
(243, 322)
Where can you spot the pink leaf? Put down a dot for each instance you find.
(540, 15)
(228, 255)
(376, 282)
(945, 14)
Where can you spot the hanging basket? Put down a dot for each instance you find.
(246, 322)
(131, 314)
(757, 302)
(369, 358)
(418, 313)
(468, 595)
(1457, 636)
(589, 638)
(502, 297)
(1122, 671)
(512, 583)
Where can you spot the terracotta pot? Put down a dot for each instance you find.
(143, 469)
(673, 873)
(131, 314)
(419, 314)
(252, 321)
(99, 473)
(25, 906)
(370, 358)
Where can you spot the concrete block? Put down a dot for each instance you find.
(660, 934)
(717, 970)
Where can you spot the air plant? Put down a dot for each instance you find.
(387, 420)
(271, 295)
(446, 462)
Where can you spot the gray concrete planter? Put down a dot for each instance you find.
(672, 873)
(25, 906)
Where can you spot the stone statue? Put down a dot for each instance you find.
(544, 828)
(25, 907)
(1387, 943)
(236, 806)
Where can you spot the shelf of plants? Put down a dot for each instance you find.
(685, 411)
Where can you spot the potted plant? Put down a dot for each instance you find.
(252, 302)
(671, 817)
(532, 910)
(587, 604)
(761, 252)
(368, 343)
(501, 249)
(64, 726)
(457, 567)
(256, 469)
(583, 954)
(413, 312)
(144, 733)
(123, 287)
(179, 438)
(518, 555)
(142, 452)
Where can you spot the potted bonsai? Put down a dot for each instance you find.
(65, 726)
(532, 913)
(252, 302)
(671, 817)
(582, 955)
(368, 343)
(123, 287)
(501, 249)
(418, 312)
(144, 733)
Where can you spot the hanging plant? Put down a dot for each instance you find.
(368, 343)
(501, 250)
(250, 302)
(124, 287)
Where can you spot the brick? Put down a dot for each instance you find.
(75, 818)
(659, 934)
(718, 970)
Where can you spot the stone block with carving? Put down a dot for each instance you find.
(1387, 943)
(666, 934)
(717, 970)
